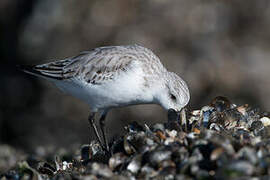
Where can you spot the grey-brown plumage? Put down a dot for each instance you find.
(115, 76)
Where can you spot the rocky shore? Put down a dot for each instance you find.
(221, 140)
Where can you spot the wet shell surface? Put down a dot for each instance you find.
(219, 141)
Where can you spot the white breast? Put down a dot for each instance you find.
(126, 89)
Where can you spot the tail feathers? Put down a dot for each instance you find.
(50, 74)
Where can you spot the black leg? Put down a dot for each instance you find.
(103, 131)
(91, 120)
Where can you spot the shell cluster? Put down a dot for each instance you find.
(219, 141)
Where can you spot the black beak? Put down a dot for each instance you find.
(173, 115)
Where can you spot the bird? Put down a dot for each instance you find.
(115, 76)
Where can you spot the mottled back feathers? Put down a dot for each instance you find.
(101, 64)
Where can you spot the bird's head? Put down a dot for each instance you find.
(174, 92)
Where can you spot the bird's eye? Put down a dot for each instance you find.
(173, 97)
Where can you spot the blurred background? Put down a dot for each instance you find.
(217, 47)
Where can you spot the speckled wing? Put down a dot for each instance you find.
(100, 65)
(106, 63)
(103, 65)
(95, 67)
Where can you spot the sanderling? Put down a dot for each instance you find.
(115, 76)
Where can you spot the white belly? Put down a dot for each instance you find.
(122, 91)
